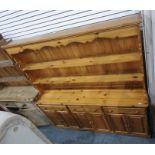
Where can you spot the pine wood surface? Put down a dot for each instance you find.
(90, 77)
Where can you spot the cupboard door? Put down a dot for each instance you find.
(69, 119)
(99, 122)
(137, 124)
(55, 117)
(117, 122)
(83, 120)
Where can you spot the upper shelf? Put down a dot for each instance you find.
(89, 61)
(104, 55)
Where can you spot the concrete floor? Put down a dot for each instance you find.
(72, 136)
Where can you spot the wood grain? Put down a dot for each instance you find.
(136, 98)
(119, 58)
(91, 79)
(116, 33)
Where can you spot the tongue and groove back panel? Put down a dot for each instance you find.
(101, 65)
(108, 58)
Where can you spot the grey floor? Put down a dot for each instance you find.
(72, 136)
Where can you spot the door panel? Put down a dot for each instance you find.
(55, 117)
(85, 108)
(137, 123)
(117, 122)
(127, 111)
(122, 123)
(69, 119)
(98, 122)
(83, 120)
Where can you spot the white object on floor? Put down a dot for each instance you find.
(15, 129)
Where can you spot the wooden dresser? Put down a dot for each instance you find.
(90, 77)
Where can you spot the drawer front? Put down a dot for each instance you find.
(53, 107)
(132, 111)
(85, 108)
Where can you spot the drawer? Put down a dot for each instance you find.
(53, 107)
(132, 111)
(85, 108)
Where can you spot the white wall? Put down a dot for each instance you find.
(149, 49)
(22, 24)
